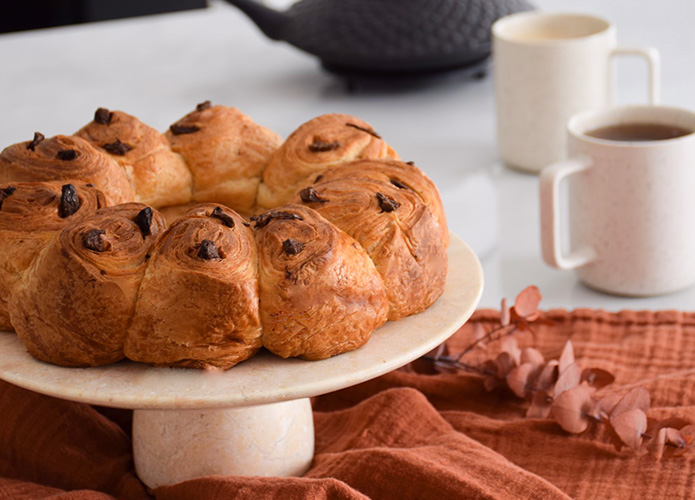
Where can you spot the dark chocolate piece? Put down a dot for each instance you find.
(399, 184)
(410, 163)
(318, 178)
(38, 137)
(320, 146)
(69, 201)
(117, 147)
(93, 240)
(208, 250)
(203, 106)
(67, 154)
(387, 204)
(4, 193)
(265, 218)
(178, 129)
(292, 247)
(103, 116)
(144, 221)
(226, 219)
(364, 129)
(310, 195)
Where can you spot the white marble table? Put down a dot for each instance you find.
(158, 68)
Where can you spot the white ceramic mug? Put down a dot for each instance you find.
(631, 204)
(549, 67)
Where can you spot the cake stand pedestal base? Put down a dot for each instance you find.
(276, 439)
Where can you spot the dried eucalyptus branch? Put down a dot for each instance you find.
(560, 389)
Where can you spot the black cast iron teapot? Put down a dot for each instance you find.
(386, 36)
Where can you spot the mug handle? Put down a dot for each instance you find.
(654, 63)
(550, 180)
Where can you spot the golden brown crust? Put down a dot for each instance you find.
(174, 212)
(198, 302)
(316, 145)
(226, 152)
(159, 176)
(401, 174)
(31, 213)
(320, 293)
(397, 230)
(75, 303)
(65, 158)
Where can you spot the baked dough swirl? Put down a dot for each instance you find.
(65, 158)
(159, 176)
(76, 302)
(198, 302)
(31, 213)
(226, 152)
(320, 293)
(316, 145)
(401, 174)
(395, 227)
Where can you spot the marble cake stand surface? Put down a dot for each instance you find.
(254, 419)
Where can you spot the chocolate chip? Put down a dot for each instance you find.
(203, 106)
(4, 193)
(364, 129)
(38, 137)
(117, 147)
(93, 240)
(177, 129)
(69, 201)
(246, 224)
(220, 214)
(318, 178)
(310, 195)
(321, 146)
(387, 204)
(208, 250)
(411, 163)
(292, 247)
(399, 184)
(144, 221)
(67, 154)
(103, 116)
(89, 185)
(265, 218)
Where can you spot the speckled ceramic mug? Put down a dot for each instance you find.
(631, 205)
(548, 67)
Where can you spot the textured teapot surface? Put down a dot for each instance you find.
(391, 35)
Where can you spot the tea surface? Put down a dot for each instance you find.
(638, 132)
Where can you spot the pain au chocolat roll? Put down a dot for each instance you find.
(198, 302)
(226, 152)
(31, 213)
(403, 175)
(316, 145)
(76, 302)
(159, 176)
(320, 293)
(65, 158)
(395, 227)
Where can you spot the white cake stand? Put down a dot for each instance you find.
(255, 419)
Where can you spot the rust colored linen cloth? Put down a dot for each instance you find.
(401, 436)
